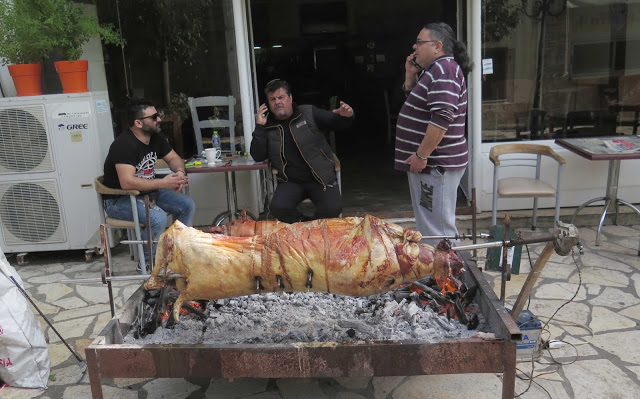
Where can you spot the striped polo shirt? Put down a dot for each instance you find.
(440, 98)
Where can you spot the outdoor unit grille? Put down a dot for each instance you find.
(24, 142)
(30, 213)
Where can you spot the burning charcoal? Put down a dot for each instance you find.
(473, 324)
(412, 309)
(435, 306)
(468, 296)
(434, 293)
(351, 333)
(444, 324)
(449, 314)
(462, 317)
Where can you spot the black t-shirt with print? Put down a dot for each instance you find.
(127, 149)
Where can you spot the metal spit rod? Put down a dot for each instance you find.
(90, 280)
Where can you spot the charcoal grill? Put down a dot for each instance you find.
(109, 357)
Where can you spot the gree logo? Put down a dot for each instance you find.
(78, 126)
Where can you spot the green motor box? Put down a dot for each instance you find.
(494, 255)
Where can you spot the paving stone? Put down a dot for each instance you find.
(66, 375)
(557, 271)
(635, 369)
(53, 291)
(101, 323)
(27, 272)
(600, 379)
(349, 395)
(127, 382)
(574, 311)
(354, 382)
(47, 278)
(85, 274)
(605, 320)
(81, 346)
(169, 388)
(58, 354)
(265, 395)
(477, 386)
(632, 312)
(21, 393)
(54, 268)
(221, 388)
(593, 289)
(295, 388)
(70, 329)
(69, 270)
(46, 308)
(382, 386)
(93, 293)
(129, 290)
(603, 276)
(615, 298)
(75, 313)
(624, 344)
(84, 392)
(636, 283)
(559, 290)
(594, 260)
(70, 303)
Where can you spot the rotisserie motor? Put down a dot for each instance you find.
(349, 256)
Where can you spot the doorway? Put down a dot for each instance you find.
(356, 52)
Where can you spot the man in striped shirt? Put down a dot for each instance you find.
(430, 142)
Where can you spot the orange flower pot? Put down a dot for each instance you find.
(73, 75)
(26, 78)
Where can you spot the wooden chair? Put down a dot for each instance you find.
(132, 227)
(523, 185)
(214, 122)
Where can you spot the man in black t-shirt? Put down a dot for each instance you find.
(130, 165)
(292, 138)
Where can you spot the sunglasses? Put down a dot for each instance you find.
(152, 116)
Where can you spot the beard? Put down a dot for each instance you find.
(151, 129)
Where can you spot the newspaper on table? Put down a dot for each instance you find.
(24, 356)
(621, 145)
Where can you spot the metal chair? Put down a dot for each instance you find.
(132, 227)
(522, 185)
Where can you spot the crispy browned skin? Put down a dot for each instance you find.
(348, 256)
(245, 227)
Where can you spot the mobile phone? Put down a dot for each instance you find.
(415, 64)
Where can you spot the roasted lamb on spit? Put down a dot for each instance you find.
(348, 256)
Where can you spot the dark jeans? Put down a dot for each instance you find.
(328, 203)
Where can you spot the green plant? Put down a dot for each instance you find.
(31, 30)
(71, 28)
(22, 39)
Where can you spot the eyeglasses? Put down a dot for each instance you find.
(152, 116)
(420, 41)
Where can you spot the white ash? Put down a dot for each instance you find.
(309, 317)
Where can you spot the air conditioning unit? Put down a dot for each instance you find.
(51, 149)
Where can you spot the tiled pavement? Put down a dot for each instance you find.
(605, 365)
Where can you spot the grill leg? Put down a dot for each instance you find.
(94, 375)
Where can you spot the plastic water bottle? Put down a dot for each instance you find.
(215, 140)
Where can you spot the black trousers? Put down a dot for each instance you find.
(287, 197)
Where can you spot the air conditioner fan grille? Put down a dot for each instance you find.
(23, 140)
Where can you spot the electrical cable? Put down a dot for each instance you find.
(545, 329)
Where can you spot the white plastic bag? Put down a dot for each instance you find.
(24, 356)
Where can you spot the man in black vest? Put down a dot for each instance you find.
(291, 137)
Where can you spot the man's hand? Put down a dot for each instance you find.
(344, 110)
(261, 116)
(175, 181)
(411, 72)
(417, 164)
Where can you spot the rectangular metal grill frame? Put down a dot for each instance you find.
(109, 357)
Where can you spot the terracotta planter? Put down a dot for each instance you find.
(73, 75)
(26, 78)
